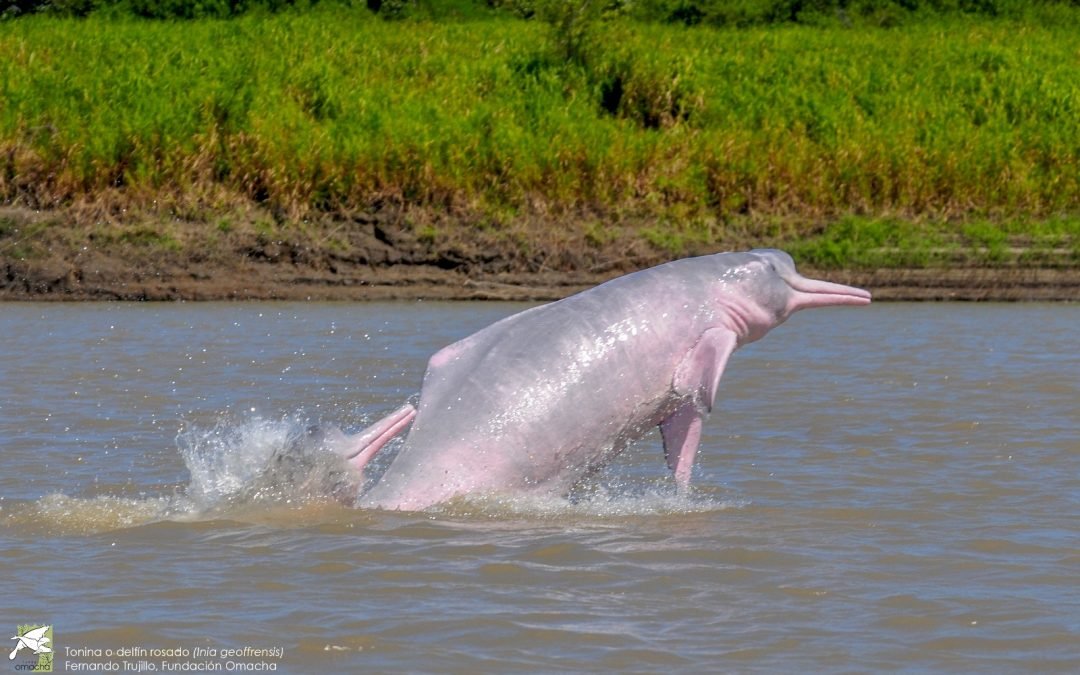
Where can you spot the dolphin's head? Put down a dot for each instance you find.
(769, 290)
(804, 293)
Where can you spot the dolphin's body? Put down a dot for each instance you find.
(536, 401)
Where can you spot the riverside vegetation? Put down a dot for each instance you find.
(551, 135)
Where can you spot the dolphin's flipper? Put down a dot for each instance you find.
(696, 380)
(682, 431)
(363, 446)
(698, 374)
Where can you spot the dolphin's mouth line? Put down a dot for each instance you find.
(815, 293)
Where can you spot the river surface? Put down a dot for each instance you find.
(895, 487)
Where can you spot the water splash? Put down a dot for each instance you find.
(279, 472)
(262, 461)
(238, 470)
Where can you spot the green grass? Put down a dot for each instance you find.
(854, 242)
(965, 121)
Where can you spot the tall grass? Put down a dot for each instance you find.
(335, 109)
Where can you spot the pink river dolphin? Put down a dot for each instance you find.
(538, 400)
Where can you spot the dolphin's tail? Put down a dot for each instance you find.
(363, 446)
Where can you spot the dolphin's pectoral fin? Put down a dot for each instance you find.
(682, 432)
(696, 381)
(363, 446)
(698, 374)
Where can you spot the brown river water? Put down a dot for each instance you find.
(889, 488)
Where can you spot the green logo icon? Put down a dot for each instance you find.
(34, 645)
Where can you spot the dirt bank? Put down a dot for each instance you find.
(379, 258)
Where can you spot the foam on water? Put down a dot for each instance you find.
(59, 514)
(617, 500)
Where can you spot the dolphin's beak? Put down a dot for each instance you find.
(814, 293)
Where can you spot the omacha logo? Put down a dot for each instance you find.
(34, 644)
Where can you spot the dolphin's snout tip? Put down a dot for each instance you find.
(849, 295)
(861, 295)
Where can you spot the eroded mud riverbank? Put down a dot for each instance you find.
(383, 260)
(55, 280)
